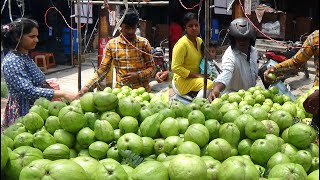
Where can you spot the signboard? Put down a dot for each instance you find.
(112, 18)
(85, 13)
(220, 7)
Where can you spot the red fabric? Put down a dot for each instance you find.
(175, 32)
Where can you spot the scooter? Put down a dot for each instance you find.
(159, 57)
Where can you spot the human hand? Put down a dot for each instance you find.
(215, 93)
(162, 76)
(82, 91)
(130, 77)
(311, 104)
(70, 96)
(268, 78)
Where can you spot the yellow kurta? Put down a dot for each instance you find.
(185, 59)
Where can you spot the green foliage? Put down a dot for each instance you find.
(131, 158)
(4, 90)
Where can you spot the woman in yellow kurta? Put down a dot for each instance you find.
(186, 57)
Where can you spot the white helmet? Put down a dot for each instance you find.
(241, 28)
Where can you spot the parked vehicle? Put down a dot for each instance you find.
(159, 56)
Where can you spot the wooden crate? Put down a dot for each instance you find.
(285, 20)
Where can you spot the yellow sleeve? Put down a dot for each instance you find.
(301, 57)
(150, 69)
(178, 57)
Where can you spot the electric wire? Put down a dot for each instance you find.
(187, 7)
(282, 44)
(4, 4)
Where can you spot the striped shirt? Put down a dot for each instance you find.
(125, 58)
(310, 48)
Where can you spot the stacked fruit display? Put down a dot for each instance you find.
(132, 134)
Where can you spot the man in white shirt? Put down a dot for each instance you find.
(239, 62)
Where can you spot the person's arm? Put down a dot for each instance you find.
(17, 78)
(301, 57)
(150, 67)
(215, 93)
(101, 73)
(65, 94)
(223, 79)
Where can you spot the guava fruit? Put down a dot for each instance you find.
(52, 124)
(90, 165)
(43, 102)
(104, 101)
(54, 107)
(40, 111)
(33, 121)
(56, 151)
(64, 137)
(71, 118)
(237, 167)
(23, 139)
(219, 149)
(87, 103)
(187, 166)
(98, 149)
(19, 158)
(288, 171)
(43, 139)
(150, 169)
(128, 106)
(197, 133)
(301, 135)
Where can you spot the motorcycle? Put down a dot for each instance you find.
(159, 57)
(272, 57)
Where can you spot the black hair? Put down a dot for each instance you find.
(10, 33)
(131, 18)
(213, 44)
(188, 17)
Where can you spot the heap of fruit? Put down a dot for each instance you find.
(132, 134)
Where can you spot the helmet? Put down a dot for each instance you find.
(241, 28)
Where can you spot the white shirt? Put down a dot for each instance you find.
(237, 72)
